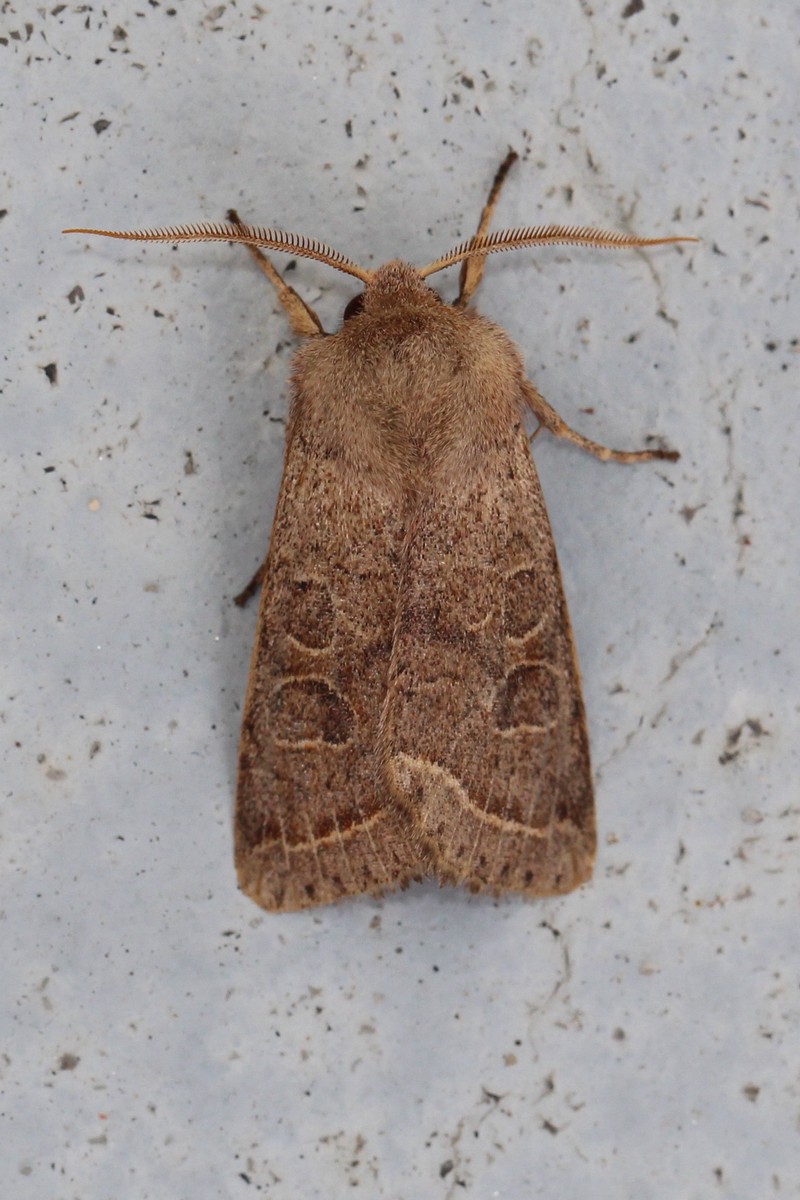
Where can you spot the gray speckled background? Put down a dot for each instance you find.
(161, 1037)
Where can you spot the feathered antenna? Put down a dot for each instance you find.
(247, 235)
(542, 235)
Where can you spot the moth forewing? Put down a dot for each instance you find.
(311, 822)
(486, 740)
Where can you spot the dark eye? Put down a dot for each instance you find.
(354, 307)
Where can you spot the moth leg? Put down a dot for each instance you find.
(255, 583)
(549, 419)
(303, 321)
(472, 268)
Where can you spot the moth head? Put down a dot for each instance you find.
(394, 285)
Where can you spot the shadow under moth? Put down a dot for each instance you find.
(413, 707)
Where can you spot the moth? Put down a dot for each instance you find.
(413, 707)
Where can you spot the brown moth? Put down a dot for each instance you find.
(413, 706)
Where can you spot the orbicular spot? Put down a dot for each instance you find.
(526, 602)
(309, 710)
(309, 616)
(529, 697)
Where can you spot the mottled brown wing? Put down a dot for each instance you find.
(312, 823)
(484, 740)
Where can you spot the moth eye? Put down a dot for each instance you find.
(354, 307)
